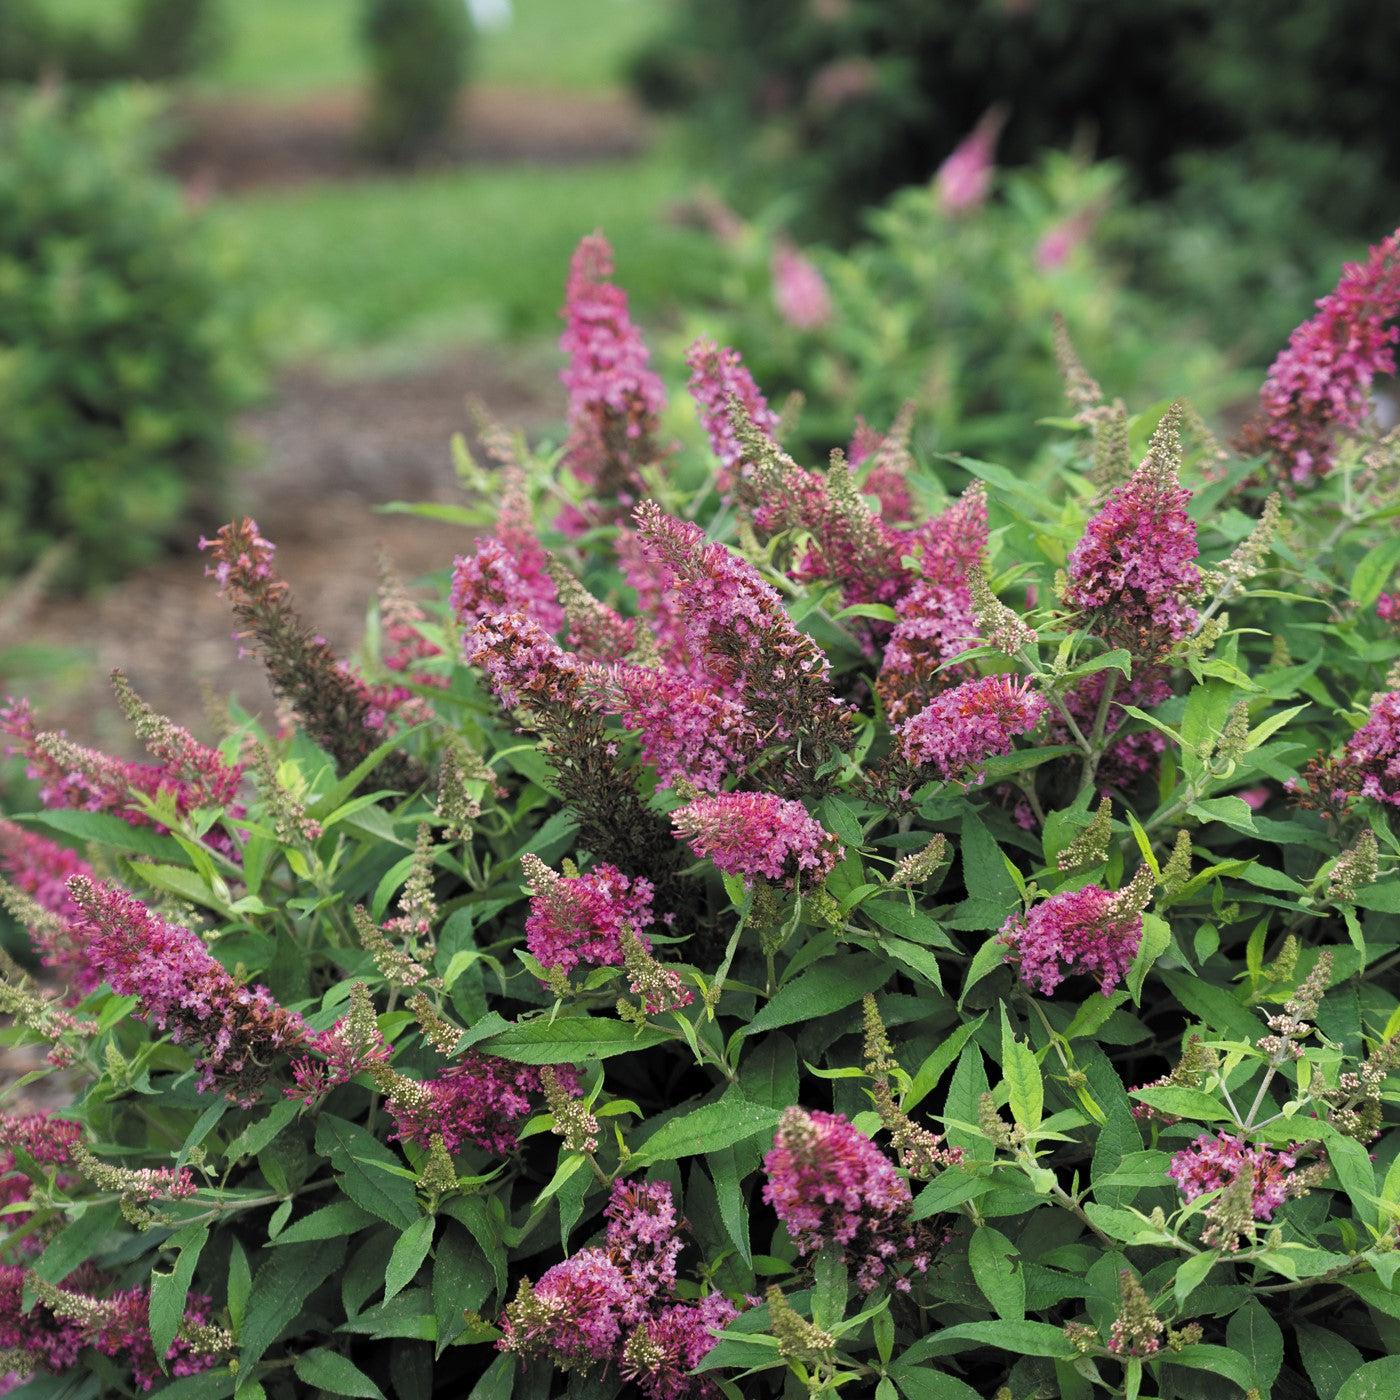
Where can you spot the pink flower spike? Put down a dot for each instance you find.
(580, 918)
(1319, 386)
(716, 375)
(964, 180)
(1089, 930)
(1375, 750)
(799, 290)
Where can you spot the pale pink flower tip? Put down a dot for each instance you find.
(964, 180)
(1212, 1163)
(799, 290)
(1375, 750)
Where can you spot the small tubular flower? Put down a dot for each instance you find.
(1374, 750)
(964, 180)
(756, 834)
(962, 728)
(799, 290)
(831, 1186)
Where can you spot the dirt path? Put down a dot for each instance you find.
(239, 143)
(333, 449)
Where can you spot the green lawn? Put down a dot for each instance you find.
(399, 266)
(289, 46)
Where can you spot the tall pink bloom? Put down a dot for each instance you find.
(799, 290)
(615, 399)
(1134, 570)
(1319, 386)
(1055, 248)
(580, 918)
(736, 622)
(1089, 930)
(716, 376)
(964, 180)
(1375, 750)
(660, 1355)
(831, 1186)
(236, 1031)
(963, 727)
(935, 621)
(756, 834)
(488, 582)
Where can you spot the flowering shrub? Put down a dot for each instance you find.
(948, 301)
(772, 929)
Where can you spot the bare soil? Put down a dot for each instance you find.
(239, 143)
(332, 449)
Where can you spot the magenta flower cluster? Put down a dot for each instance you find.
(41, 869)
(831, 1186)
(1080, 930)
(615, 399)
(758, 835)
(1374, 750)
(616, 1303)
(716, 376)
(964, 180)
(1319, 386)
(49, 1141)
(236, 1031)
(959, 730)
(580, 918)
(480, 1101)
(1213, 1163)
(120, 1329)
(1134, 569)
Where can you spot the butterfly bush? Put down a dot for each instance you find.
(879, 922)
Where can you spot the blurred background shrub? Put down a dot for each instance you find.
(418, 58)
(84, 41)
(126, 347)
(1211, 109)
(953, 309)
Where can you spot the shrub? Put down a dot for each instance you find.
(418, 55)
(125, 350)
(948, 303)
(977, 975)
(838, 103)
(145, 39)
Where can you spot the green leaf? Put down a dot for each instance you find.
(1202, 1356)
(77, 1242)
(568, 1040)
(990, 956)
(1328, 1358)
(996, 1267)
(830, 1287)
(1376, 1380)
(280, 1290)
(1021, 1070)
(472, 1212)
(830, 986)
(103, 829)
(709, 1128)
(240, 1285)
(360, 1158)
(410, 1250)
(259, 1133)
(1256, 1337)
(935, 1066)
(1374, 571)
(338, 1375)
(1156, 939)
(924, 1383)
(984, 867)
(1023, 1338)
(1183, 1103)
(1351, 1164)
(1191, 1273)
(342, 1217)
(169, 1291)
(1213, 1005)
